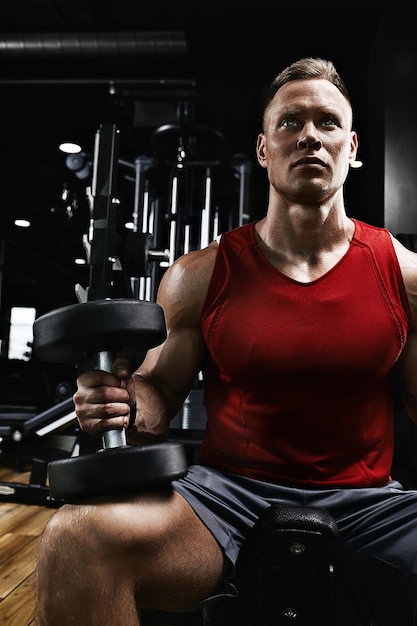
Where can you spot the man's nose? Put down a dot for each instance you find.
(309, 138)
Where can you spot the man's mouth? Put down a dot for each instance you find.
(309, 161)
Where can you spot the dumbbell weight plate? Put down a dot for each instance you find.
(77, 332)
(111, 471)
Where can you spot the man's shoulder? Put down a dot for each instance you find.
(191, 272)
(199, 260)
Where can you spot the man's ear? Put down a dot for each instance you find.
(260, 150)
(354, 144)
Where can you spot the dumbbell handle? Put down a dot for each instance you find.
(115, 438)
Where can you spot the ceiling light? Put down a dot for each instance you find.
(70, 147)
(22, 223)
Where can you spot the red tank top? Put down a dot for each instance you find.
(298, 379)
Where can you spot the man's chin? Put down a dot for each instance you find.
(312, 193)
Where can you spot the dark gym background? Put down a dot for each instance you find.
(67, 66)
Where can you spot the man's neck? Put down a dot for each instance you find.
(304, 242)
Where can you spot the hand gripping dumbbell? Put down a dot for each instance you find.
(93, 332)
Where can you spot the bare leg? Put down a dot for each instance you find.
(95, 559)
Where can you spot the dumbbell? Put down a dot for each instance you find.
(93, 332)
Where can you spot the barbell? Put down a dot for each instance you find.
(93, 332)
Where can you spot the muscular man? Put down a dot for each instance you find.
(298, 322)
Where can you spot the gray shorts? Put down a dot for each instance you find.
(378, 525)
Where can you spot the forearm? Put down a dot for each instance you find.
(153, 410)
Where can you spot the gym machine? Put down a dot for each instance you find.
(136, 255)
(89, 334)
(15, 431)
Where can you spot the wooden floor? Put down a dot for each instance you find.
(21, 526)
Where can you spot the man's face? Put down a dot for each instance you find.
(307, 143)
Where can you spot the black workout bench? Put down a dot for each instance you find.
(22, 443)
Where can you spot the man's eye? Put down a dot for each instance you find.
(329, 121)
(289, 122)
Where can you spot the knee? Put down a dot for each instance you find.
(67, 538)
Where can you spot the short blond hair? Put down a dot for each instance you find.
(308, 67)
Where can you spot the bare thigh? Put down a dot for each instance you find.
(154, 544)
